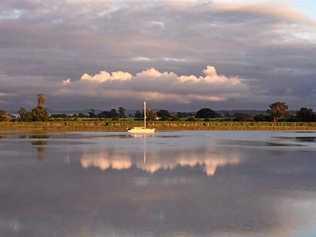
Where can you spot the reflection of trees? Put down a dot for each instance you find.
(155, 162)
(39, 142)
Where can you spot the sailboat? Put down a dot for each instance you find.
(142, 130)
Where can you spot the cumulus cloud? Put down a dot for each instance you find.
(104, 76)
(151, 84)
(149, 73)
(211, 77)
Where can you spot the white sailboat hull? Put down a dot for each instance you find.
(141, 131)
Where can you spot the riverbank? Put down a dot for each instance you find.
(73, 126)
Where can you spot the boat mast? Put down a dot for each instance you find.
(145, 116)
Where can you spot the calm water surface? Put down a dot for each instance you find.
(173, 184)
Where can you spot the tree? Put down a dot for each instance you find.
(184, 114)
(151, 115)
(138, 115)
(305, 115)
(262, 118)
(122, 112)
(278, 110)
(206, 113)
(59, 116)
(41, 101)
(39, 114)
(164, 114)
(243, 117)
(109, 114)
(25, 115)
(81, 115)
(113, 113)
(91, 113)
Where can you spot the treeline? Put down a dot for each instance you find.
(277, 111)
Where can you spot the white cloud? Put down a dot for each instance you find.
(182, 4)
(141, 59)
(153, 85)
(212, 77)
(66, 82)
(149, 73)
(104, 76)
(157, 24)
(162, 59)
(176, 60)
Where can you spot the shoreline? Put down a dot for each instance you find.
(123, 126)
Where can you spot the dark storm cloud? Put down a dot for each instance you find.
(269, 47)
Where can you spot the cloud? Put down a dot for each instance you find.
(149, 73)
(151, 84)
(45, 42)
(3, 94)
(162, 59)
(211, 77)
(141, 59)
(66, 82)
(104, 76)
(157, 24)
(281, 11)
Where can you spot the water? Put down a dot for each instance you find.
(173, 184)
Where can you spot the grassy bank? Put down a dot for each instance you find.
(65, 126)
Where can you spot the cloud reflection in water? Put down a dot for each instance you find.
(209, 161)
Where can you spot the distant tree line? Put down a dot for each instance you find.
(113, 113)
(276, 112)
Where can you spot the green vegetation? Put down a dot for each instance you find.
(276, 117)
(164, 115)
(305, 115)
(109, 125)
(206, 113)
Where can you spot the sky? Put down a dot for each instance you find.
(179, 55)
